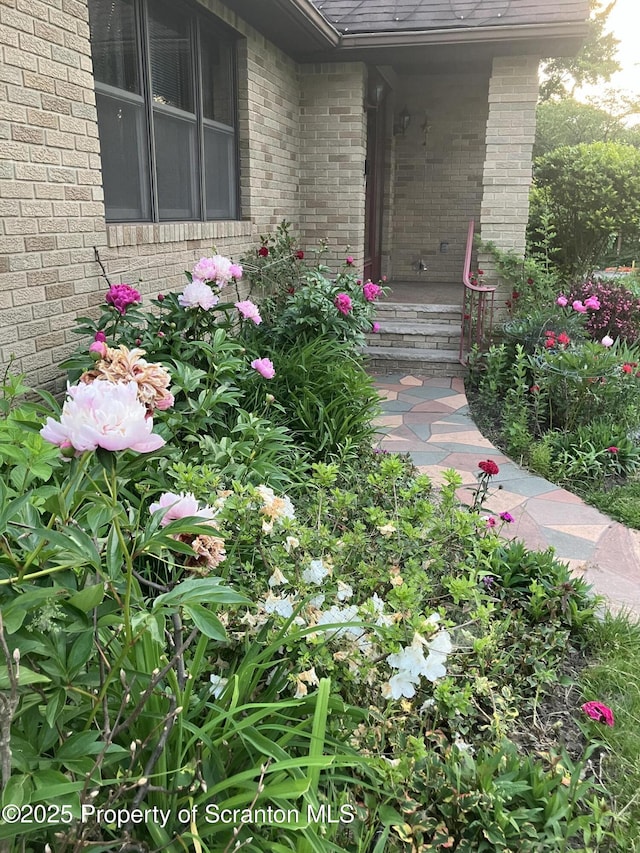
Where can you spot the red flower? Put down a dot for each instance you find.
(161, 297)
(489, 467)
(515, 295)
(529, 281)
(550, 343)
(598, 711)
(535, 389)
(626, 368)
(263, 251)
(612, 449)
(563, 338)
(480, 272)
(291, 290)
(349, 261)
(300, 256)
(549, 334)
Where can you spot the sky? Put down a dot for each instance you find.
(624, 21)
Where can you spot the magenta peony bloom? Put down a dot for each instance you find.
(121, 296)
(375, 326)
(264, 366)
(607, 341)
(579, 307)
(349, 261)
(100, 336)
(180, 506)
(235, 271)
(197, 294)
(249, 311)
(562, 301)
(103, 414)
(593, 303)
(506, 516)
(598, 711)
(343, 303)
(612, 449)
(371, 291)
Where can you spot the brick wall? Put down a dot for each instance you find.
(511, 124)
(51, 198)
(331, 175)
(437, 174)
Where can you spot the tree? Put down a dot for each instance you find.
(570, 122)
(589, 195)
(595, 63)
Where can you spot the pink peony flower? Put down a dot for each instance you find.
(607, 341)
(579, 307)
(349, 261)
(598, 711)
(562, 301)
(218, 269)
(121, 296)
(612, 449)
(103, 414)
(264, 366)
(375, 326)
(343, 303)
(593, 303)
(197, 294)
(371, 291)
(100, 347)
(180, 506)
(100, 336)
(249, 311)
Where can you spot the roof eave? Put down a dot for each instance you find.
(465, 35)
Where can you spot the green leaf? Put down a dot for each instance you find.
(79, 745)
(206, 622)
(199, 591)
(26, 676)
(88, 598)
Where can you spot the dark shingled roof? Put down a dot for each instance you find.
(371, 16)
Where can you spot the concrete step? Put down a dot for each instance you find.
(409, 333)
(429, 362)
(427, 313)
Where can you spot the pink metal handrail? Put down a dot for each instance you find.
(477, 305)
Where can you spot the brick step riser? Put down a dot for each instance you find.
(414, 342)
(446, 317)
(429, 369)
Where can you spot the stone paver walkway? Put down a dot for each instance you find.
(429, 418)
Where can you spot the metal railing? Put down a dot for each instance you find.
(477, 306)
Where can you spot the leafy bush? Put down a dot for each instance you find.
(619, 312)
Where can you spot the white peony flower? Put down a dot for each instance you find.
(197, 294)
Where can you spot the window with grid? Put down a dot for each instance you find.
(164, 80)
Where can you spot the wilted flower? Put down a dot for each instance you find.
(103, 414)
(209, 552)
(124, 365)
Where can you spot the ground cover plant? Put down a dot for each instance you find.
(226, 624)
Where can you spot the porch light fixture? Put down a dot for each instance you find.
(403, 122)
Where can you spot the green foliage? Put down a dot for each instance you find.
(594, 63)
(592, 193)
(323, 395)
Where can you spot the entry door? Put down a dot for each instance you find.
(374, 177)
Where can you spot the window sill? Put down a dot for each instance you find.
(133, 234)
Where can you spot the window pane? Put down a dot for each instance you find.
(219, 174)
(171, 60)
(217, 101)
(176, 161)
(123, 145)
(114, 44)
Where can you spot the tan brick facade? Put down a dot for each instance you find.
(436, 177)
(51, 198)
(511, 125)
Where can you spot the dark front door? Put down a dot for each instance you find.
(374, 177)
